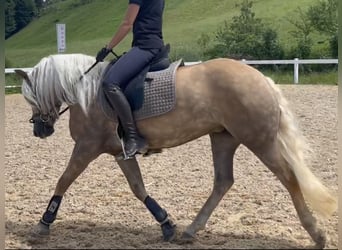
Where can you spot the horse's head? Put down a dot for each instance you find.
(56, 80)
(43, 122)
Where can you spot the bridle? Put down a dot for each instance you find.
(63, 111)
(44, 118)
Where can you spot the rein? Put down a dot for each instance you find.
(63, 111)
(90, 68)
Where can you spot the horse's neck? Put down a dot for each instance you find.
(93, 126)
(81, 88)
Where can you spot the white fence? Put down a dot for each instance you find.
(296, 62)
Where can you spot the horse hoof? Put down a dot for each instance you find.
(40, 230)
(320, 241)
(169, 231)
(187, 237)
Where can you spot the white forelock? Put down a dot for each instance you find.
(56, 79)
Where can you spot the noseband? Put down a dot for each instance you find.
(44, 118)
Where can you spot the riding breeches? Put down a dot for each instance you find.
(127, 67)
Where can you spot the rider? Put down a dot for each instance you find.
(145, 17)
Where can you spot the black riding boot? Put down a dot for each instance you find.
(133, 142)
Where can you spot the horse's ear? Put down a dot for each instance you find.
(24, 75)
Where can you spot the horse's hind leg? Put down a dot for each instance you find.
(131, 170)
(82, 155)
(223, 147)
(272, 158)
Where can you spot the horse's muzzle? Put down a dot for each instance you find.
(42, 129)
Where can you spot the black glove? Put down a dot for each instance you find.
(101, 55)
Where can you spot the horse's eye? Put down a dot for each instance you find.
(31, 121)
(44, 118)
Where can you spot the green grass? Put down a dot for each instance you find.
(326, 78)
(90, 26)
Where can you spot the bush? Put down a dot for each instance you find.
(334, 46)
(270, 47)
(246, 37)
(301, 50)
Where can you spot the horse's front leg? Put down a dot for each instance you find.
(82, 155)
(131, 170)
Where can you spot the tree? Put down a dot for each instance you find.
(270, 47)
(25, 11)
(39, 5)
(10, 23)
(301, 34)
(241, 35)
(323, 17)
(247, 37)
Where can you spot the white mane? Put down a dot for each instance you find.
(56, 79)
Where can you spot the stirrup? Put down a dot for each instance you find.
(140, 151)
(125, 156)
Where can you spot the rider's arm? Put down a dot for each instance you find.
(126, 25)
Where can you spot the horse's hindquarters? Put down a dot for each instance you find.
(213, 96)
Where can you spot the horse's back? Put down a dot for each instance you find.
(225, 81)
(216, 95)
(244, 97)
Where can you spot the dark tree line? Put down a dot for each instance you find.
(19, 13)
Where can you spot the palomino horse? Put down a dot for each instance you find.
(232, 102)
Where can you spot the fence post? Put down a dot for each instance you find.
(295, 71)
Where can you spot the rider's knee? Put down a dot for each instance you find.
(110, 86)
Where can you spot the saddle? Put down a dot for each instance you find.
(152, 91)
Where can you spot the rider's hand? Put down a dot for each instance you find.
(102, 54)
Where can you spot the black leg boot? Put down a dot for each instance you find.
(133, 142)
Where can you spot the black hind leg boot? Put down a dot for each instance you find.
(133, 141)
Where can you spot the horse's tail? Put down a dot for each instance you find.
(293, 148)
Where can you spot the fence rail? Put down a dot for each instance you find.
(296, 62)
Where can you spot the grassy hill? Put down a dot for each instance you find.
(90, 24)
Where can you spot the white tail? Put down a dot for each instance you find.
(293, 148)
